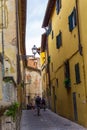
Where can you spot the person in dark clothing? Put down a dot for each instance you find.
(38, 101)
(43, 102)
(38, 104)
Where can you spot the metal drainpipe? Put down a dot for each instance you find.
(18, 58)
(79, 38)
(48, 71)
(2, 39)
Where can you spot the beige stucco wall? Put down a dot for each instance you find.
(33, 87)
(0, 81)
(8, 41)
(33, 82)
(9, 35)
(10, 38)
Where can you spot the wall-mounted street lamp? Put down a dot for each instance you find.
(34, 50)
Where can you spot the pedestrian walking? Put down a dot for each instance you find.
(43, 102)
(37, 105)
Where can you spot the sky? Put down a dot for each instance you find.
(35, 15)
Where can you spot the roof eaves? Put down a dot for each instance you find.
(48, 12)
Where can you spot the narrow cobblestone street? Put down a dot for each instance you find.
(46, 121)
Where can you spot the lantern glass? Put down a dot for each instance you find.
(34, 49)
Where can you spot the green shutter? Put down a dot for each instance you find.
(52, 34)
(49, 59)
(77, 73)
(70, 23)
(1, 58)
(70, 19)
(74, 13)
(58, 41)
(58, 6)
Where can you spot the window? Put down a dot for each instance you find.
(72, 20)
(77, 73)
(52, 66)
(67, 69)
(67, 74)
(59, 40)
(1, 58)
(57, 82)
(49, 28)
(52, 34)
(49, 59)
(8, 91)
(58, 6)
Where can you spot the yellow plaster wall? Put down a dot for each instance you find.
(79, 89)
(83, 31)
(69, 50)
(69, 40)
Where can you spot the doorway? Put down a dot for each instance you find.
(54, 99)
(75, 107)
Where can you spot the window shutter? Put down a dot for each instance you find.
(57, 6)
(70, 23)
(47, 32)
(1, 58)
(72, 20)
(67, 74)
(49, 28)
(59, 3)
(57, 82)
(77, 73)
(52, 34)
(49, 58)
(74, 13)
(58, 41)
(67, 69)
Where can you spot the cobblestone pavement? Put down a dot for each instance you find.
(46, 121)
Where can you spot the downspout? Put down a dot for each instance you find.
(80, 47)
(18, 56)
(79, 37)
(3, 73)
(48, 69)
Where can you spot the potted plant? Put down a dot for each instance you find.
(67, 82)
(12, 110)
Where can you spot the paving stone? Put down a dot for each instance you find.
(47, 120)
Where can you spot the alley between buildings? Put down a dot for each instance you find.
(46, 121)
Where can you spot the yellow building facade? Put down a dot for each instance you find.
(67, 28)
(44, 67)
